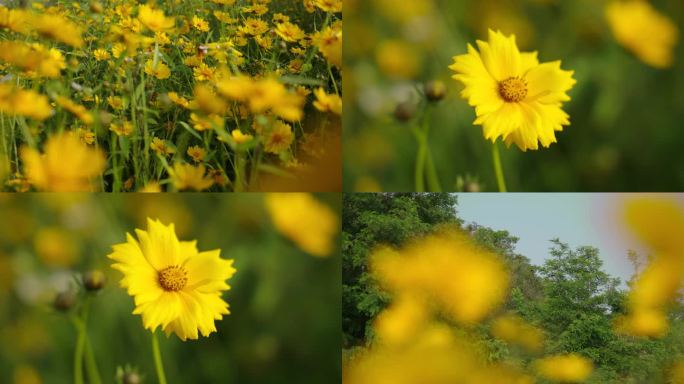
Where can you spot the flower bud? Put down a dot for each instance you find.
(94, 280)
(434, 90)
(131, 378)
(96, 7)
(64, 301)
(405, 111)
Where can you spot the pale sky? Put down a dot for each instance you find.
(575, 218)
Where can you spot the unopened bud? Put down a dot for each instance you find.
(65, 300)
(405, 111)
(131, 378)
(434, 90)
(94, 280)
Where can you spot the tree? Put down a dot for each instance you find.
(369, 220)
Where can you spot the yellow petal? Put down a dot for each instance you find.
(548, 83)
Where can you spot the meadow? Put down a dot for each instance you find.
(221, 95)
(623, 109)
(58, 290)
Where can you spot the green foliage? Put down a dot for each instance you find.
(370, 220)
(570, 297)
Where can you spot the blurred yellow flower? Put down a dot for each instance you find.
(187, 176)
(327, 103)
(329, 5)
(154, 19)
(640, 28)
(401, 321)
(515, 330)
(200, 24)
(56, 247)
(58, 28)
(175, 286)
(515, 97)
(658, 223)
(26, 374)
(24, 102)
(446, 268)
(101, 55)
(571, 368)
(279, 138)
(306, 221)
(240, 137)
(160, 71)
(67, 165)
(398, 59)
(197, 153)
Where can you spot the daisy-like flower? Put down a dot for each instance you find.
(175, 287)
(640, 28)
(515, 97)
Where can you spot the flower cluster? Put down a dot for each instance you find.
(176, 97)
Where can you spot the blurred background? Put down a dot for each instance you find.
(284, 325)
(625, 133)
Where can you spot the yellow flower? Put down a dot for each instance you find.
(279, 138)
(200, 24)
(240, 137)
(571, 368)
(123, 129)
(289, 32)
(180, 100)
(78, 110)
(650, 35)
(446, 268)
(658, 223)
(329, 42)
(101, 54)
(56, 247)
(116, 102)
(58, 28)
(513, 329)
(327, 103)
(176, 287)
(204, 72)
(515, 97)
(309, 223)
(24, 102)
(154, 19)
(329, 5)
(16, 20)
(160, 71)
(160, 147)
(66, 166)
(197, 153)
(186, 176)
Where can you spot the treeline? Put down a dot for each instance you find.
(570, 297)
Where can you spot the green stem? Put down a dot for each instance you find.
(78, 354)
(497, 168)
(158, 363)
(90, 364)
(432, 178)
(420, 162)
(239, 168)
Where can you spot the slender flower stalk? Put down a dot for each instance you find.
(498, 169)
(158, 362)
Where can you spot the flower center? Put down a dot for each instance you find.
(513, 89)
(173, 278)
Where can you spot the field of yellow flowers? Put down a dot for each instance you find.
(220, 95)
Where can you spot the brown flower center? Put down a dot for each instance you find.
(173, 278)
(513, 89)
